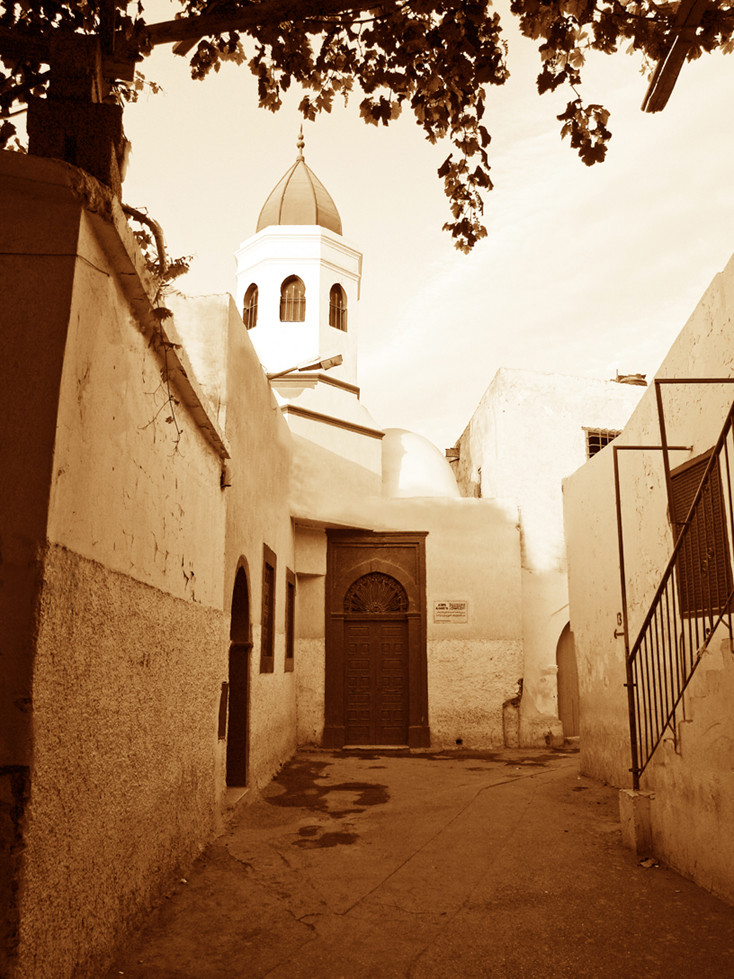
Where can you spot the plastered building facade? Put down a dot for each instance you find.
(683, 807)
(119, 557)
(529, 431)
(204, 566)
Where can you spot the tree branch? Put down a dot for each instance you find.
(250, 18)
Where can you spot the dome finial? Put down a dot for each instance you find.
(300, 143)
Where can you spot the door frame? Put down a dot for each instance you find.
(350, 555)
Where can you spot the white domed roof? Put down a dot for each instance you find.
(413, 466)
(299, 197)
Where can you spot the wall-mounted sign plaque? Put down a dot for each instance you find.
(453, 610)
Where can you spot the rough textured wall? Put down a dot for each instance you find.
(127, 647)
(693, 788)
(468, 683)
(126, 695)
(257, 509)
(310, 656)
(525, 436)
(693, 806)
(129, 491)
(472, 555)
(37, 258)
(544, 615)
(594, 600)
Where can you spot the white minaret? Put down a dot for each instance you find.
(304, 275)
(298, 290)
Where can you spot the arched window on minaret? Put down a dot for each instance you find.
(338, 308)
(249, 310)
(292, 300)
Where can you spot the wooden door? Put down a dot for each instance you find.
(239, 672)
(376, 680)
(239, 659)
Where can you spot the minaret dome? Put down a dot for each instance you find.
(299, 197)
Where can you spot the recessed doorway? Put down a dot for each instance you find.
(376, 666)
(568, 683)
(239, 673)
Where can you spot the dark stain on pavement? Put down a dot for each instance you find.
(305, 786)
(327, 840)
(537, 760)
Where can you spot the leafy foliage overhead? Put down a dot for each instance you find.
(433, 57)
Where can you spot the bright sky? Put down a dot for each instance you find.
(584, 271)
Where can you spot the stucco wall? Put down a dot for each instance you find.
(525, 436)
(127, 643)
(594, 600)
(472, 555)
(693, 788)
(126, 695)
(37, 258)
(310, 646)
(257, 507)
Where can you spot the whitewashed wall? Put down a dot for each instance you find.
(525, 436)
(692, 810)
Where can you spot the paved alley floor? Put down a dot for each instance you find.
(389, 864)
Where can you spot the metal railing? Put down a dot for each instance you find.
(693, 599)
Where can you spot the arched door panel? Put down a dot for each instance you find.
(376, 700)
(376, 667)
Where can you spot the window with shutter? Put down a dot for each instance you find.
(267, 628)
(704, 564)
(249, 311)
(290, 619)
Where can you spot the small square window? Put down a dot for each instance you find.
(597, 438)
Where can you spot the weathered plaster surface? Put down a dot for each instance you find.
(112, 541)
(272, 713)
(257, 507)
(311, 655)
(472, 554)
(468, 682)
(123, 790)
(692, 805)
(525, 436)
(126, 491)
(594, 598)
(692, 809)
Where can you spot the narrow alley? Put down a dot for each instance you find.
(396, 864)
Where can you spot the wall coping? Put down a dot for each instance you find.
(60, 179)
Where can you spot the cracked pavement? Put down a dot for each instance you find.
(459, 864)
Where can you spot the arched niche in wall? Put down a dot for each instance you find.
(568, 683)
(240, 645)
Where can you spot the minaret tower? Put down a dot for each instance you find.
(298, 288)
(298, 279)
